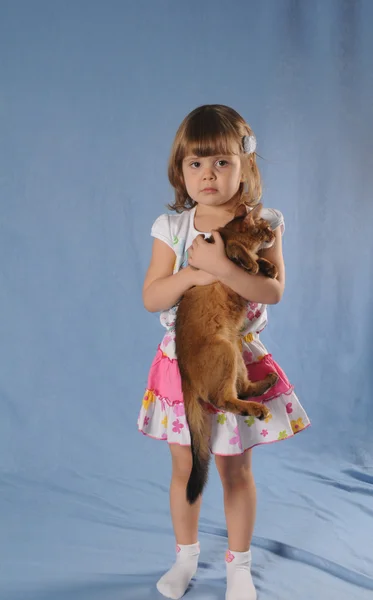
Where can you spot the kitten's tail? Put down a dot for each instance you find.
(199, 427)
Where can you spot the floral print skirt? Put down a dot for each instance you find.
(162, 414)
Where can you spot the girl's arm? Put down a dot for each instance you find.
(162, 289)
(258, 288)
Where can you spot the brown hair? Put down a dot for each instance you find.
(209, 130)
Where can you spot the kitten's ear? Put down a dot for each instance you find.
(254, 213)
(241, 211)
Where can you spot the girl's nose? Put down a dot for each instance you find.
(208, 174)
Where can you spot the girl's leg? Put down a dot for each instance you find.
(185, 524)
(184, 516)
(239, 498)
(240, 511)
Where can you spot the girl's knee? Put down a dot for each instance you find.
(181, 461)
(234, 470)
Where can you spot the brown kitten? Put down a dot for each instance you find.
(208, 323)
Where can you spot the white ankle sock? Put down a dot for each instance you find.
(240, 585)
(175, 582)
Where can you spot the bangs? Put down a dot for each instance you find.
(209, 134)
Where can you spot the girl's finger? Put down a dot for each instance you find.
(217, 237)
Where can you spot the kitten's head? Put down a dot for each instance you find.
(248, 227)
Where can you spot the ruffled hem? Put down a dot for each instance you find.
(262, 443)
(230, 434)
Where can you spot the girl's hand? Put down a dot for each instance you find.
(208, 257)
(203, 278)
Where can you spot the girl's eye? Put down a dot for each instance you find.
(220, 163)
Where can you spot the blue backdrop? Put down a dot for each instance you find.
(91, 94)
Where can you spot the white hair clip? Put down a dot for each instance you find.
(249, 143)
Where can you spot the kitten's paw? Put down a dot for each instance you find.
(252, 268)
(260, 411)
(268, 269)
(263, 413)
(272, 272)
(272, 378)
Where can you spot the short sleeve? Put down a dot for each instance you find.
(161, 230)
(275, 219)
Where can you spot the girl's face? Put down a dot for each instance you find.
(212, 180)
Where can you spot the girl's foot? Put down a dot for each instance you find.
(175, 582)
(239, 581)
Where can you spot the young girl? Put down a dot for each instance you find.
(212, 169)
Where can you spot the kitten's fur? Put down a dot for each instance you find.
(208, 322)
